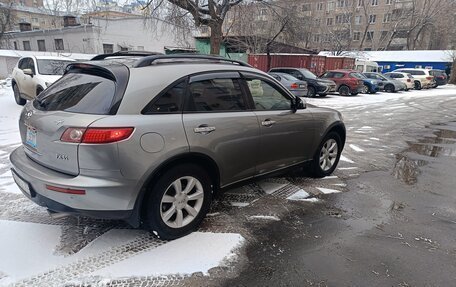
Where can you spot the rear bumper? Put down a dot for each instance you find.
(112, 198)
(299, 93)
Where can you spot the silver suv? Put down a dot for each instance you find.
(151, 139)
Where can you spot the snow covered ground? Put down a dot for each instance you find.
(31, 250)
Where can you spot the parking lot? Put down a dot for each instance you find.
(385, 218)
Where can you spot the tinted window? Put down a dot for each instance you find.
(79, 93)
(52, 67)
(338, 75)
(216, 95)
(308, 74)
(169, 102)
(22, 63)
(357, 75)
(266, 97)
(328, 75)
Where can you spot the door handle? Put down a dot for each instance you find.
(267, 123)
(204, 129)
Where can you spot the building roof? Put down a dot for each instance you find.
(400, 56)
(19, 54)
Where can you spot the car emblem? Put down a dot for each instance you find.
(29, 114)
(59, 122)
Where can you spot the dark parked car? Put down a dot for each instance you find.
(297, 87)
(348, 82)
(387, 84)
(315, 85)
(152, 139)
(440, 77)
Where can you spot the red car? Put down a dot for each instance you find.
(349, 82)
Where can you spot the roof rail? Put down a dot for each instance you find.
(149, 60)
(125, 53)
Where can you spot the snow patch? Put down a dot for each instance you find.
(328, 190)
(299, 195)
(196, 252)
(264, 217)
(347, 168)
(271, 187)
(346, 159)
(355, 148)
(239, 204)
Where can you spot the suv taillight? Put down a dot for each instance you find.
(409, 80)
(294, 86)
(96, 135)
(429, 78)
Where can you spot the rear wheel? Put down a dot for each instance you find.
(418, 85)
(365, 89)
(344, 91)
(327, 156)
(178, 201)
(389, 89)
(322, 95)
(311, 92)
(17, 96)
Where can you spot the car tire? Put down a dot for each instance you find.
(17, 96)
(322, 95)
(418, 85)
(344, 90)
(311, 92)
(170, 210)
(365, 89)
(326, 157)
(354, 94)
(390, 89)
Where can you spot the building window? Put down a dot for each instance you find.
(389, 2)
(374, 2)
(306, 7)
(358, 20)
(329, 21)
(320, 6)
(372, 19)
(342, 3)
(356, 36)
(58, 44)
(317, 22)
(15, 45)
(41, 45)
(35, 20)
(26, 45)
(108, 48)
(342, 19)
(370, 35)
(387, 18)
(330, 6)
(384, 35)
(264, 11)
(360, 3)
(316, 38)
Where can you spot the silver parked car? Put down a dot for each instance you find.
(150, 139)
(296, 87)
(387, 84)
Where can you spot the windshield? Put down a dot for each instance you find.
(52, 67)
(308, 74)
(358, 75)
(288, 77)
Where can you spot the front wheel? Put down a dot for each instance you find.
(327, 156)
(389, 89)
(365, 89)
(17, 96)
(322, 95)
(344, 91)
(418, 85)
(178, 201)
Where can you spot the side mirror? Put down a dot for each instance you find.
(28, 72)
(298, 104)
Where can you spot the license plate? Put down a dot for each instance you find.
(302, 86)
(30, 137)
(21, 183)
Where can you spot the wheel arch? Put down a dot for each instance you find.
(339, 128)
(206, 162)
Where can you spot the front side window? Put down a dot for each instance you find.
(212, 95)
(267, 97)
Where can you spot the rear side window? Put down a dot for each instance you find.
(78, 93)
(169, 102)
(213, 95)
(338, 75)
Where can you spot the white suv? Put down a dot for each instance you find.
(422, 77)
(34, 74)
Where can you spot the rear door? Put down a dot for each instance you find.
(76, 100)
(218, 123)
(286, 136)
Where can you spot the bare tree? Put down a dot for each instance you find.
(6, 20)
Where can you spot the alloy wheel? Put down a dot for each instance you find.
(328, 154)
(182, 202)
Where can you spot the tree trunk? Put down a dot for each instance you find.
(216, 37)
(453, 73)
(268, 55)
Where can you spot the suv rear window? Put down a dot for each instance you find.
(78, 93)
